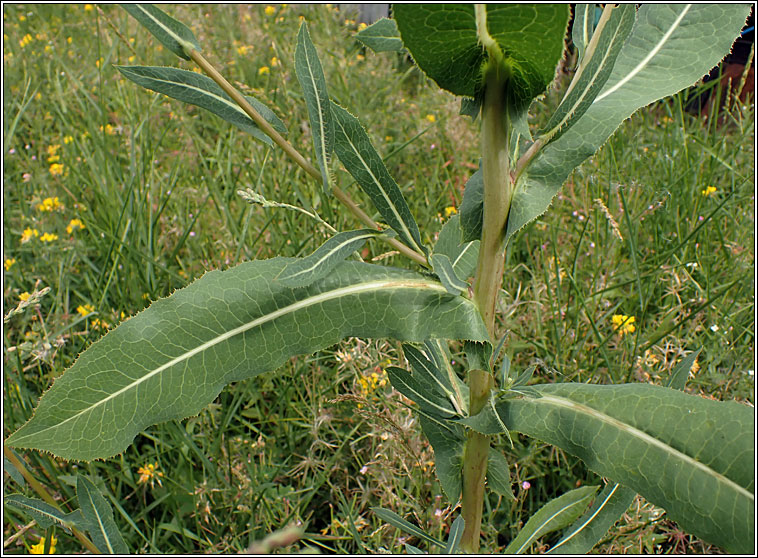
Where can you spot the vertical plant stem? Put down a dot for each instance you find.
(498, 190)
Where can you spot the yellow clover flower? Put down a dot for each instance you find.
(9, 262)
(270, 10)
(28, 234)
(263, 70)
(74, 223)
(48, 237)
(708, 191)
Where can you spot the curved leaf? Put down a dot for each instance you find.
(608, 507)
(174, 35)
(447, 441)
(310, 74)
(443, 41)
(396, 521)
(172, 359)
(354, 149)
(381, 36)
(595, 68)
(692, 456)
(42, 512)
(97, 515)
(305, 271)
(454, 538)
(556, 514)
(664, 54)
(202, 91)
(443, 268)
(472, 207)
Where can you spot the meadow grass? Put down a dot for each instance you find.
(657, 226)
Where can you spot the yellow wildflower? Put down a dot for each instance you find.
(68, 139)
(48, 49)
(69, 40)
(28, 234)
(48, 237)
(263, 70)
(450, 210)
(708, 191)
(110, 130)
(100, 324)
(274, 62)
(74, 223)
(270, 10)
(23, 297)
(50, 204)
(694, 368)
(131, 59)
(88, 7)
(25, 40)
(85, 310)
(623, 324)
(431, 118)
(56, 169)
(22, 17)
(150, 473)
(242, 50)
(39, 548)
(9, 263)
(362, 26)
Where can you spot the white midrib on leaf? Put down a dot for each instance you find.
(184, 44)
(537, 533)
(641, 66)
(381, 189)
(100, 524)
(202, 91)
(327, 255)
(370, 286)
(589, 519)
(463, 252)
(322, 134)
(568, 404)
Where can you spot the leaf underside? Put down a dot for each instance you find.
(692, 456)
(171, 360)
(174, 35)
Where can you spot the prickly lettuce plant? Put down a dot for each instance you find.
(692, 456)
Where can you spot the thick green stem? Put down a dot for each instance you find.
(498, 191)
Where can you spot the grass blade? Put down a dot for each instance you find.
(396, 521)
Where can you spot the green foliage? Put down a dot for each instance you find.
(97, 518)
(202, 91)
(310, 74)
(554, 515)
(694, 461)
(444, 43)
(140, 243)
(175, 36)
(381, 36)
(190, 345)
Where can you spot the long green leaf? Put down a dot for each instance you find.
(354, 149)
(608, 507)
(172, 359)
(556, 514)
(692, 456)
(594, 69)
(42, 512)
(680, 374)
(174, 35)
(381, 36)
(202, 91)
(305, 271)
(97, 515)
(663, 54)
(435, 379)
(310, 74)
